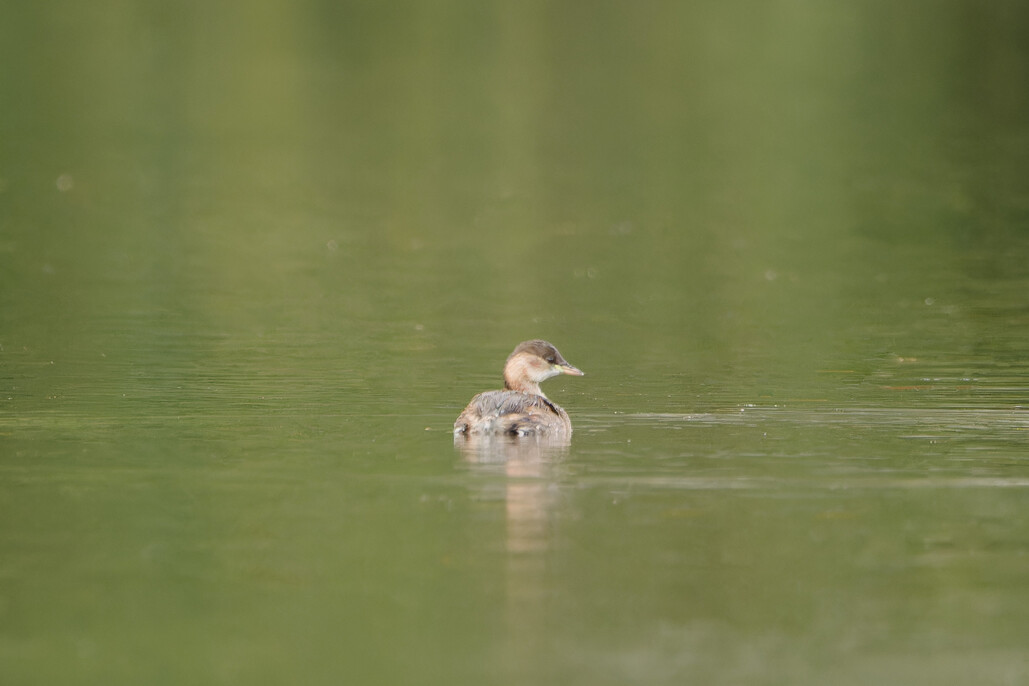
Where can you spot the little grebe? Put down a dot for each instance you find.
(521, 409)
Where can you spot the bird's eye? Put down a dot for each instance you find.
(550, 359)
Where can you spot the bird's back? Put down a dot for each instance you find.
(512, 412)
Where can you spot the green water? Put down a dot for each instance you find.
(255, 259)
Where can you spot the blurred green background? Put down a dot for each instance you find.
(256, 257)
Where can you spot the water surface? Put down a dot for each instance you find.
(253, 264)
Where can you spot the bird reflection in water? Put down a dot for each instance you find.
(528, 466)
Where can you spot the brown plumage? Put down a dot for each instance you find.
(521, 409)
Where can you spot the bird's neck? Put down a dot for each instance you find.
(518, 377)
(524, 385)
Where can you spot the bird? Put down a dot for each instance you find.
(521, 409)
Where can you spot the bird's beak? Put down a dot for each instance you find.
(570, 370)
